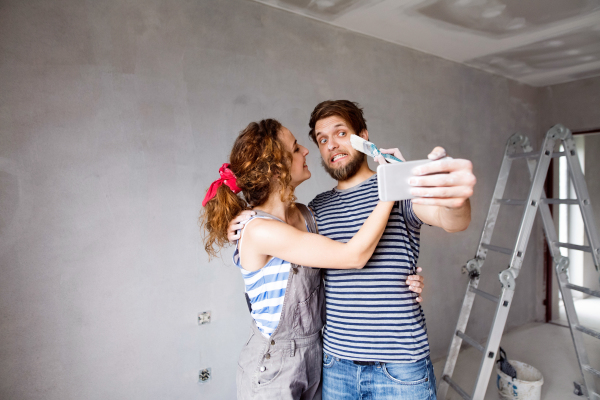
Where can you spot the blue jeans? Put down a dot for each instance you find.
(344, 380)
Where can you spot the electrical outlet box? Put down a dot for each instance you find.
(205, 375)
(204, 318)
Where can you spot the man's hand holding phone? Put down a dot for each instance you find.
(444, 181)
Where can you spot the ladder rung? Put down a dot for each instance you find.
(583, 289)
(574, 246)
(457, 388)
(485, 295)
(470, 340)
(535, 154)
(511, 202)
(591, 370)
(497, 248)
(560, 201)
(531, 154)
(588, 331)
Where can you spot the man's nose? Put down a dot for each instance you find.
(332, 144)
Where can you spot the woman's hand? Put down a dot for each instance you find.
(416, 284)
(236, 225)
(395, 152)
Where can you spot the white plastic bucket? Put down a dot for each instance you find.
(527, 385)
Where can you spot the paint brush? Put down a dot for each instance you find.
(370, 149)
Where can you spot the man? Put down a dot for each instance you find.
(375, 341)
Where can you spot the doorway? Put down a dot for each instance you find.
(570, 229)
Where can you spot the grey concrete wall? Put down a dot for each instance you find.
(573, 104)
(115, 117)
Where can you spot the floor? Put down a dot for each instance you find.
(547, 347)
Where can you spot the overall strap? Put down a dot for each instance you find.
(308, 217)
(310, 222)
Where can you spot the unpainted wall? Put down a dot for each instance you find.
(114, 119)
(575, 105)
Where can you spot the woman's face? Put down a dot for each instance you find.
(299, 169)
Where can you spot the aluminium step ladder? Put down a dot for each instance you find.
(537, 162)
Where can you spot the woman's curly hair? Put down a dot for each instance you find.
(261, 165)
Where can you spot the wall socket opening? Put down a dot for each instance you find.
(205, 375)
(203, 317)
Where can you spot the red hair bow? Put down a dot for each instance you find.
(227, 177)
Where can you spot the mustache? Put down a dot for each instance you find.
(348, 170)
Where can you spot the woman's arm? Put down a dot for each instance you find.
(274, 238)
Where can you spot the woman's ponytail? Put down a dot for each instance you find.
(218, 213)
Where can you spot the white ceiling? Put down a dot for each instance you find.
(538, 42)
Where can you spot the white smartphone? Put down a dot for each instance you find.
(392, 180)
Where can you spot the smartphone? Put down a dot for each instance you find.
(392, 180)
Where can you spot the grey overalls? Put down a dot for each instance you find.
(288, 365)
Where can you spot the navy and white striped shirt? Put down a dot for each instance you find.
(371, 314)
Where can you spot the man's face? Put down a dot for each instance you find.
(339, 158)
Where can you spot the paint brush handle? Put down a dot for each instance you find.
(390, 157)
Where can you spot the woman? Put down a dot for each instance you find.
(282, 359)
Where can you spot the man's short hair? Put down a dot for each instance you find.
(345, 109)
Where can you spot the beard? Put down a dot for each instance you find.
(348, 171)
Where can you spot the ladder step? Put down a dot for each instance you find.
(560, 201)
(511, 202)
(485, 295)
(457, 388)
(591, 370)
(497, 248)
(534, 154)
(470, 340)
(583, 289)
(574, 246)
(588, 331)
(521, 202)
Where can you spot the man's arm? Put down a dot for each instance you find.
(415, 282)
(443, 188)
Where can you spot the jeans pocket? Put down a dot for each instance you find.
(414, 373)
(328, 360)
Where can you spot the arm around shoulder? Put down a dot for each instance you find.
(274, 238)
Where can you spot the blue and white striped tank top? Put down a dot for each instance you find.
(265, 288)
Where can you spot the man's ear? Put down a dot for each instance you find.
(364, 134)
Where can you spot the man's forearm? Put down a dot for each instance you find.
(455, 219)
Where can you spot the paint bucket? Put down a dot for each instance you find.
(527, 385)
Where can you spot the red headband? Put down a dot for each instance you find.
(227, 177)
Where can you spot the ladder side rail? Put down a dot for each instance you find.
(488, 359)
(509, 275)
(456, 342)
(561, 275)
(583, 196)
(486, 235)
(503, 174)
(532, 204)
